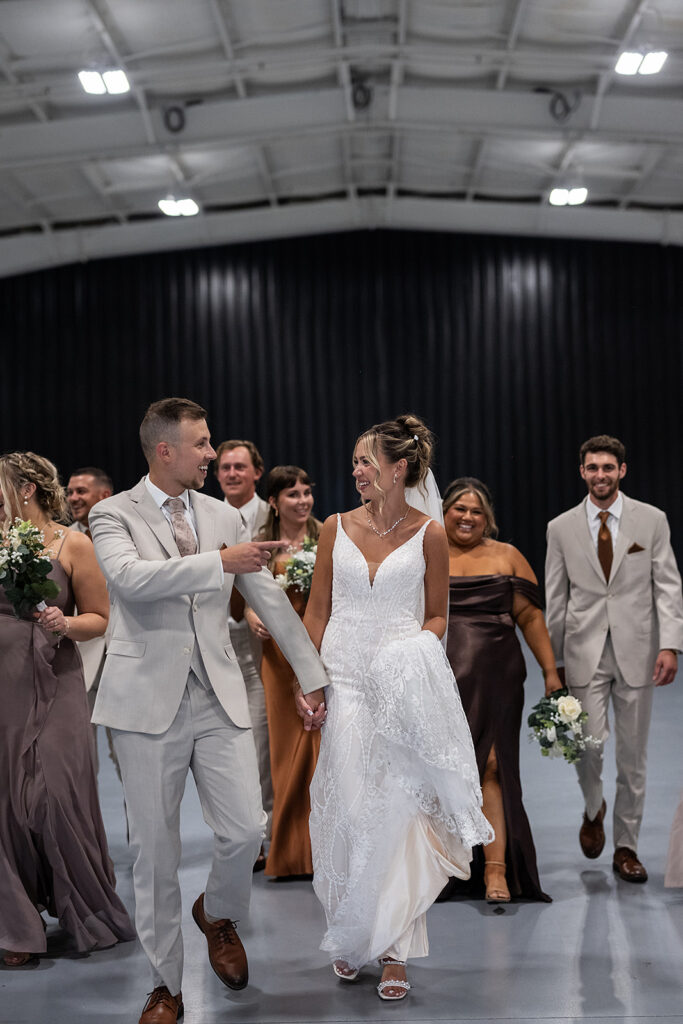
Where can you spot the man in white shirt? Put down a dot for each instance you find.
(172, 692)
(85, 488)
(615, 618)
(238, 468)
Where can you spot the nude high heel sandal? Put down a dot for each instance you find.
(495, 894)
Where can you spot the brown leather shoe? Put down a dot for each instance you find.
(226, 952)
(162, 1007)
(592, 833)
(627, 865)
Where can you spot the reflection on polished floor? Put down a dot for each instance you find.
(604, 950)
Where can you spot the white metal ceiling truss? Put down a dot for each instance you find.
(289, 117)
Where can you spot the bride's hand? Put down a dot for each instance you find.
(311, 708)
(255, 624)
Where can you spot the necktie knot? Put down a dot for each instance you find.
(175, 505)
(603, 516)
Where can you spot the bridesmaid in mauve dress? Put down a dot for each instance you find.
(53, 849)
(492, 590)
(293, 752)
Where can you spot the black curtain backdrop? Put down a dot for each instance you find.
(513, 351)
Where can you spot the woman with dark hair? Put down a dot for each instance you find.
(293, 752)
(395, 800)
(53, 849)
(492, 590)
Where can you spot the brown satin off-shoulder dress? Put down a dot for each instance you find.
(293, 757)
(53, 848)
(488, 664)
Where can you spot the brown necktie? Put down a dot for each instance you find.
(184, 536)
(605, 552)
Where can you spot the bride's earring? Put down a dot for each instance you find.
(395, 478)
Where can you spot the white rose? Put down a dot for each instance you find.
(568, 709)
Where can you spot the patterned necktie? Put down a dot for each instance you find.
(184, 536)
(605, 551)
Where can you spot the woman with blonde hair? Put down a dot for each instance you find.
(493, 589)
(395, 800)
(53, 849)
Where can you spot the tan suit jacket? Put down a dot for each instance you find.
(641, 606)
(162, 605)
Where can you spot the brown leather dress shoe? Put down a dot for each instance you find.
(162, 1007)
(627, 865)
(226, 952)
(592, 833)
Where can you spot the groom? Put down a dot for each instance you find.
(615, 617)
(172, 691)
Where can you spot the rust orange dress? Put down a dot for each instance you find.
(293, 757)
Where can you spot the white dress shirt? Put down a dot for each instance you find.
(249, 512)
(593, 516)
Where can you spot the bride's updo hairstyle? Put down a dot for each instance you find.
(470, 485)
(20, 468)
(407, 438)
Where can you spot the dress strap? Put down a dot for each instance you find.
(62, 544)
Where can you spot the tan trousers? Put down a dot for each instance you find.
(632, 708)
(256, 700)
(154, 768)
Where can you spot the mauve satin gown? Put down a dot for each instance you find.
(488, 664)
(53, 848)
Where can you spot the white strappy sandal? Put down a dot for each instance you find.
(344, 972)
(386, 961)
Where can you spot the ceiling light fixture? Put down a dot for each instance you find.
(113, 82)
(178, 207)
(633, 62)
(568, 196)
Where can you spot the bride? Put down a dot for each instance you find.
(395, 799)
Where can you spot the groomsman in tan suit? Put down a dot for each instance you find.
(615, 618)
(85, 488)
(173, 694)
(238, 468)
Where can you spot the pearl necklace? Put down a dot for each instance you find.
(393, 527)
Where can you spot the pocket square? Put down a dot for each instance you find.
(634, 548)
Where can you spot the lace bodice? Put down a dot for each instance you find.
(368, 615)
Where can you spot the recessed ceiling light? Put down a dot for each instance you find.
(559, 197)
(577, 196)
(113, 81)
(178, 207)
(628, 63)
(568, 196)
(653, 62)
(92, 82)
(116, 81)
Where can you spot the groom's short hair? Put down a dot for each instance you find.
(162, 419)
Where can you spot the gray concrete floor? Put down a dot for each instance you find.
(603, 951)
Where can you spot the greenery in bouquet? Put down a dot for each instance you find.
(556, 722)
(298, 569)
(24, 567)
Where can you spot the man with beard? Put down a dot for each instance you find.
(615, 618)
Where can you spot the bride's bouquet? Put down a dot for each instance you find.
(24, 568)
(557, 723)
(299, 568)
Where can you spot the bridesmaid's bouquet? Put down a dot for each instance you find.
(556, 722)
(299, 568)
(24, 568)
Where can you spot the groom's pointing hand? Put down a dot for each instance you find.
(249, 557)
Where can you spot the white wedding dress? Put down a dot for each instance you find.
(395, 799)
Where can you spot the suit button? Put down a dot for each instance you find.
(195, 607)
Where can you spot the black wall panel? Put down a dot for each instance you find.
(513, 350)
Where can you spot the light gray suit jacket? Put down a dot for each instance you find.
(162, 605)
(92, 652)
(641, 606)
